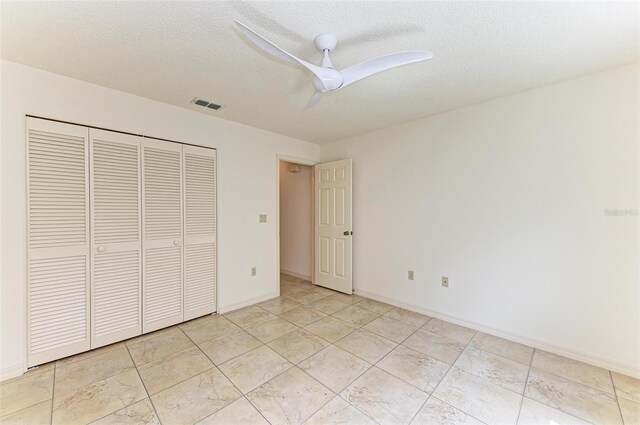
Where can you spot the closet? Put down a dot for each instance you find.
(121, 236)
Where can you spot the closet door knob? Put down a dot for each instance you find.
(176, 242)
(100, 249)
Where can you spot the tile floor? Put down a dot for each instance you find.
(314, 356)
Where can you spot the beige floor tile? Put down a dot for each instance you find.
(499, 370)
(436, 412)
(416, 368)
(330, 329)
(407, 316)
(366, 345)
(505, 348)
(167, 371)
(322, 291)
(305, 297)
(479, 398)
(248, 316)
(436, 346)
(159, 346)
(394, 330)
(375, 306)
(278, 305)
(228, 346)
(384, 398)
(302, 316)
(626, 387)
(535, 413)
(630, 412)
(37, 414)
(254, 368)
(207, 329)
(339, 412)
(150, 335)
(98, 399)
(140, 413)
(298, 345)
(240, 412)
(28, 390)
(194, 399)
(88, 354)
(571, 397)
(290, 398)
(268, 330)
(290, 289)
(31, 372)
(449, 330)
(346, 298)
(72, 376)
(328, 305)
(334, 367)
(356, 316)
(583, 373)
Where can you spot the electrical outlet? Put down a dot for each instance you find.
(445, 281)
(262, 218)
(410, 275)
(254, 271)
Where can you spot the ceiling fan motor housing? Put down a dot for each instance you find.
(326, 42)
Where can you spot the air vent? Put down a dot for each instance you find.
(206, 103)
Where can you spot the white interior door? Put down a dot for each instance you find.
(162, 292)
(333, 221)
(199, 231)
(116, 231)
(58, 270)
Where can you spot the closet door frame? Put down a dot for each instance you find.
(95, 249)
(60, 252)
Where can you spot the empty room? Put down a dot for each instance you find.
(320, 212)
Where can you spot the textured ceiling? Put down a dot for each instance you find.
(174, 51)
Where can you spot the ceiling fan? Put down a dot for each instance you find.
(326, 77)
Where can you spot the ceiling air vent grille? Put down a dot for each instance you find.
(206, 103)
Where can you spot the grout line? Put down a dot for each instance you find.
(615, 394)
(449, 370)
(53, 392)
(143, 385)
(526, 382)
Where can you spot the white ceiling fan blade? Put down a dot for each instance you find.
(314, 99)
(373, 66)
(276, 51)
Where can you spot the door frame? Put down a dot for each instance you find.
(302, 161)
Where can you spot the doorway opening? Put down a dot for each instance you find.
(296, 219)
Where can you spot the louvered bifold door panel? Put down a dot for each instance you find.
(58, 240)
(200, 231)
(162, 291)
(116, 249)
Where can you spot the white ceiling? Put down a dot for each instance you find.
(174, 51)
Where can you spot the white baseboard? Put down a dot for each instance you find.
(8, 372)
(298, 275)
(606, 363)
(228, 308)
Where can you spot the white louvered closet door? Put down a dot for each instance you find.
(58, 240)
(116, 237)
(162, 234)
(200, 231)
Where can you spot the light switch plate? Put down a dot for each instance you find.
(254, 271)
(410, 275)
(445, 281)
(262, 218)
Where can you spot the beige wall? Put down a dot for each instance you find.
(295, 220)
(246, 183)
(508, 199)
